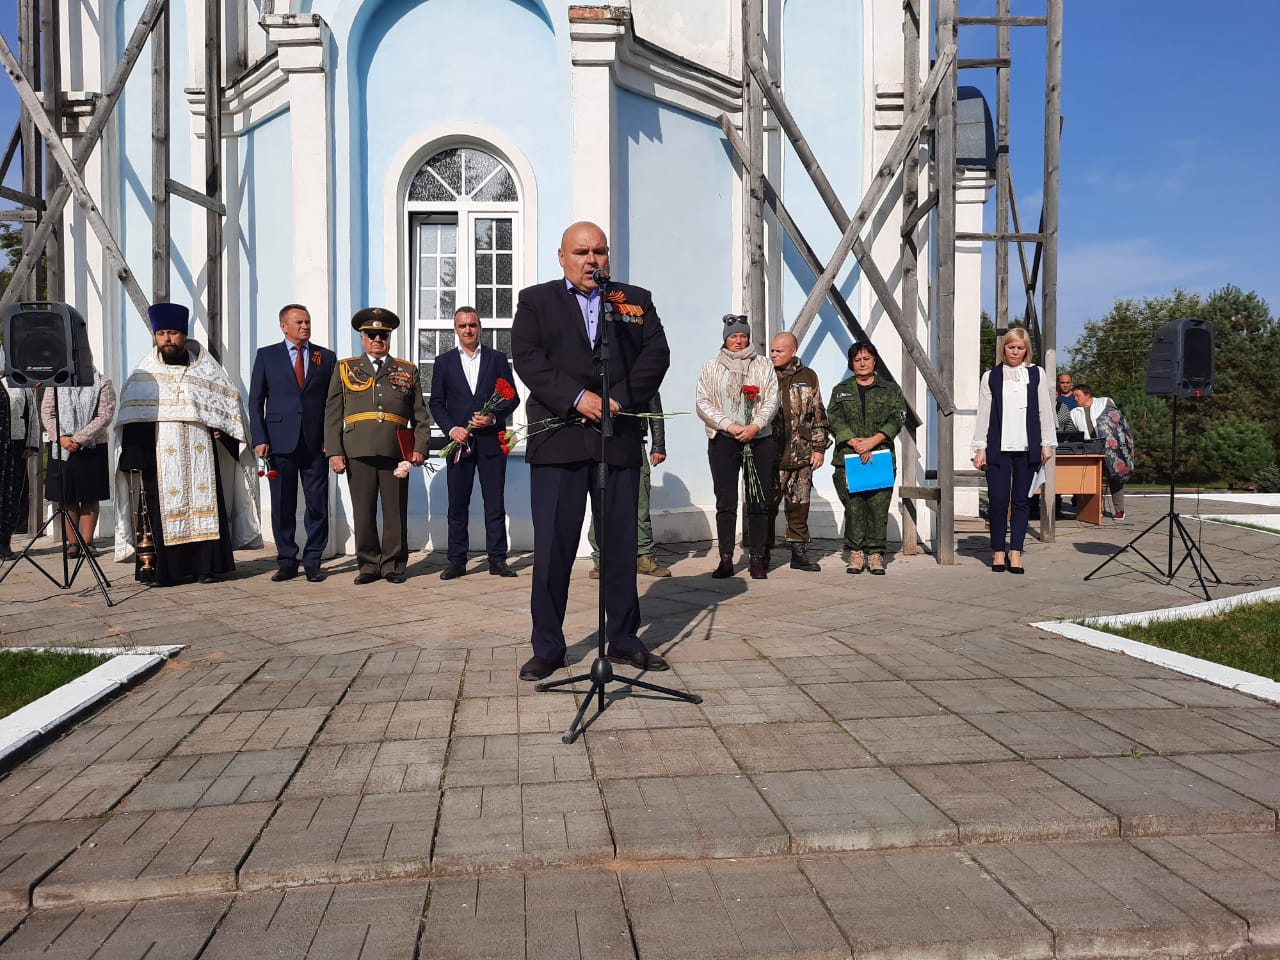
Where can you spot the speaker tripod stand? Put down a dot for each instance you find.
(1190, 549)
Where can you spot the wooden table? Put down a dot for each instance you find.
(1080, 474)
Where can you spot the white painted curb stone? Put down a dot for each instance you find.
(1215, 673)
(72, 699)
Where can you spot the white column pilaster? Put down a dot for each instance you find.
(594, 40)
(301, 40)
(972, 190)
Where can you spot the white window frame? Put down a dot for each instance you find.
(463, 212)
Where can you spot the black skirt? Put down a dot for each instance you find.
(82, 478)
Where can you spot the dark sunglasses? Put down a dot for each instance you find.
(729, 318)
(378, 334)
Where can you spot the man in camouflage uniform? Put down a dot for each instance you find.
(372, 398)
(801, 431)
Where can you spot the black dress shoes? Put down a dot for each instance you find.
(500, 569)
(725, 569)
(314, 574)
(535, 668)
(283, 574)
(453, 571)
(640, 659)
(363, 578)
(208, 578)
(395, 578)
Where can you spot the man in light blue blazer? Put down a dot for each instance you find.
(287, 393)
(462, 381)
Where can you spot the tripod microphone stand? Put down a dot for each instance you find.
(601, 673)
(63, 518)
(1191, 550)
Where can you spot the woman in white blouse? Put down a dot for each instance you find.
(1013, 436)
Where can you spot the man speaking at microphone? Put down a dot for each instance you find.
(556, 347)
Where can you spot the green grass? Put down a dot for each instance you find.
(27, 675)
(1245, 637)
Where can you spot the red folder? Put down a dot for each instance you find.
(404, 437)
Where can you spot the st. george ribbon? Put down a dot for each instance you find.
(601, 280)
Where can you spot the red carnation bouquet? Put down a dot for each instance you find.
(503, 392)
(750, 475)
(267, 469)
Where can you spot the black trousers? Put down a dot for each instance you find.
(312, 469)
(460, 476)
(1008, 481)
(373, 481)
(725, 457)
(558, 498)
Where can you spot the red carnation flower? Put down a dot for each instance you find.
(272, 474)
(505, 389)
(751, 392)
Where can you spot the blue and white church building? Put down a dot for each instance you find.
(424, 154)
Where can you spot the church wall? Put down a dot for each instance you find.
(417, 72)
(132, 173)
(259, 264)
(823, 81)
(676, 237)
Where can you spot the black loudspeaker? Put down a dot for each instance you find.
(1181, 362)
(46, 343)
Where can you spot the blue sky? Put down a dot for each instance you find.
(1169, 130)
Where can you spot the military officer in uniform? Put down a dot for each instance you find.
(372, 397)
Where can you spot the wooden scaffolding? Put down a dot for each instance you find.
(926, 141)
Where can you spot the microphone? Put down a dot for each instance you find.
(599, 277)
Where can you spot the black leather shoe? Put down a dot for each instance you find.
(208, 578)
(395, 578)
(453, 571)
(535, 668)
(363, 578)
(500, 569)
(725, 569)
(283, 574)
(314, 574)
(640, 659)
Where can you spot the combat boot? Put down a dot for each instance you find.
(800, 558)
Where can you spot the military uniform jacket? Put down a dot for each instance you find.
(885, 410)
(800, 424)
(362, 413)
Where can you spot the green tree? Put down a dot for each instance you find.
(1112, 354)
(1149, 420)
(1235, 449)
(10, 252)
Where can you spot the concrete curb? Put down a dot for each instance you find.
(1214, 673)
(59, 707)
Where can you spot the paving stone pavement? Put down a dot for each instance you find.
(897, 768)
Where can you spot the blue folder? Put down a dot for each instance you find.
(875, 475)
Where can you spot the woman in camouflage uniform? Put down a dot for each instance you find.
(866, 413)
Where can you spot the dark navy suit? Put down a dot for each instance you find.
(452, 404)
(557, 362)
(290, 420)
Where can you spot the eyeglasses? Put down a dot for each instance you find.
(377, 334)
(729, 318)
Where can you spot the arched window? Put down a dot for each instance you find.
(463, 215)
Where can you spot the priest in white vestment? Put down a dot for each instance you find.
(182, 444)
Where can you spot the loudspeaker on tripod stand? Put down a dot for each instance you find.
(46, 343)
(1181, 361)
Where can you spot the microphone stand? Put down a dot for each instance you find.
(601, 673)
(64, 521)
